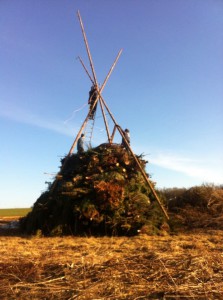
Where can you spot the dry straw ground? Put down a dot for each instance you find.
(184, 266)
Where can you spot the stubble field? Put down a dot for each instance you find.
(184, 266)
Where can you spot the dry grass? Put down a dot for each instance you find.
(185, 266)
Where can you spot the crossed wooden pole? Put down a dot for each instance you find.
(103, 106)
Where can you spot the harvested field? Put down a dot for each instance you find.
(184, 266)
(14, 212)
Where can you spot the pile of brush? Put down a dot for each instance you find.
(196, 207)
(98, 192)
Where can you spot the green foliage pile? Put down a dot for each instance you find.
(99, 192)
(196, 207)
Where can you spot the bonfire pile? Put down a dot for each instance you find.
(98, 192)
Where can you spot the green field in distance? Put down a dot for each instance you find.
(11, 212)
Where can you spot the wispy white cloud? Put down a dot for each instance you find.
(206, 171)
(201, 169)
(65, 127)
(20, 115)
(73, 113)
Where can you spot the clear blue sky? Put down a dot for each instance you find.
(166, 88)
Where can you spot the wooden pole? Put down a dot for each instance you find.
(137, 161)
(113, 133)
(86, 69)
(87, 47)
(99, 92)
(105, 120)
(112, 67)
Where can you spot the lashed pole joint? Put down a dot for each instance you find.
(99, 91)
